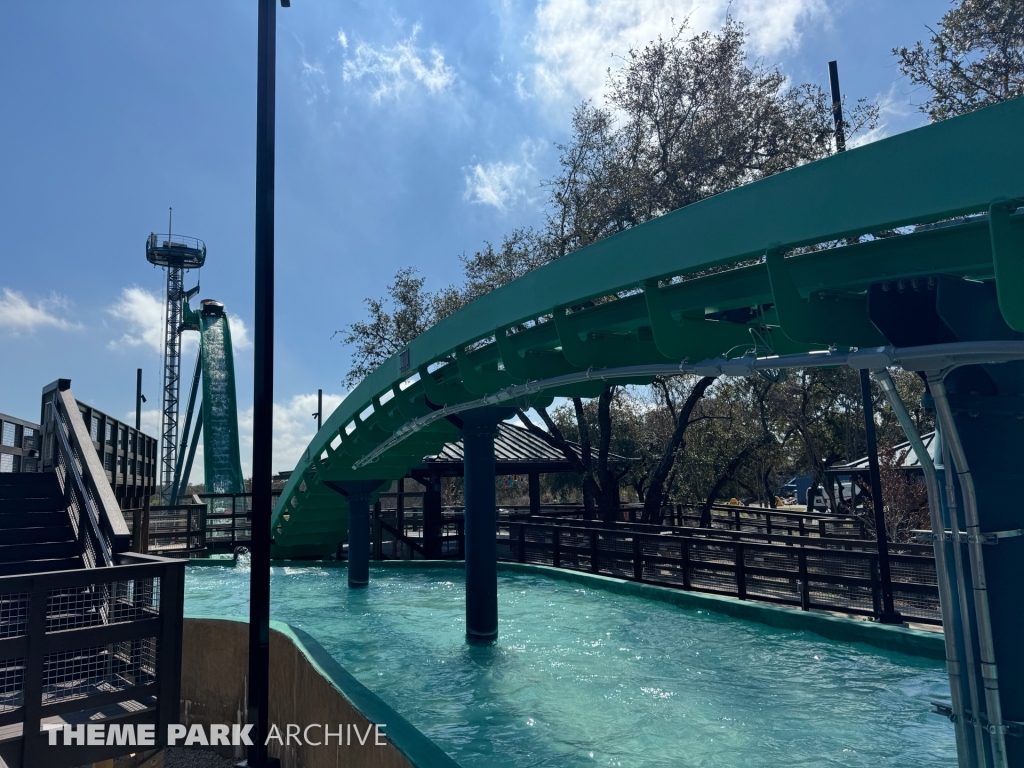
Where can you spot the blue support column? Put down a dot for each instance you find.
(358, 539)
(479, 429)
(360, 497)
(980, 415)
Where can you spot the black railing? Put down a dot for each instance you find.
(95, 516)
(89, 646)
(213, 523)
(404, 539)
(806, 574)
(723, 516)
(178, 530)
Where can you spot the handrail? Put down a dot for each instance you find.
(157, 240)
(744, 569)
(64, 626)
(106, 532)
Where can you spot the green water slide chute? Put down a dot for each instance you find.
(218, 416)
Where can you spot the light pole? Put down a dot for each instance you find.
(263, 391)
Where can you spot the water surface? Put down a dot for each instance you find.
(583, 677)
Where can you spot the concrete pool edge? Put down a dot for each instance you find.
(912, 642)
(414, 746)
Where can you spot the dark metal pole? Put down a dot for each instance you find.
(319, 409)
(837, 105)
(263, 391)
(359, 539)
(889, 614)
(138, 399)
(480, 427)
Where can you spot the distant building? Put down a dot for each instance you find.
(19, 445)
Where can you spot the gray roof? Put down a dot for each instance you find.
(515, 445)
(906, 458)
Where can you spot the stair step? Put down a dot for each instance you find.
(40, 566)
(48, 519)
(17, 484)
(17, 553)
(39, 535)
(42, 504)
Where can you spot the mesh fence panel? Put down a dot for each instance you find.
(12, 684)
(13, 614)
(83, 672)
(828, 564)
(115, 602)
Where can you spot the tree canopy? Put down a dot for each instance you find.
(974, 58)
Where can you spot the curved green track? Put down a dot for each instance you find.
(525, 331)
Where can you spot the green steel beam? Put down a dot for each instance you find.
(646, 292)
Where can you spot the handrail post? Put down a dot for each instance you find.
(522, 542)
(805, 592)
(378, 551)
(32, 684)
(876, 585)
(168, 675)
(638, 558)
(741, 571)
(593, 551)
(685, 555)
(556, 547)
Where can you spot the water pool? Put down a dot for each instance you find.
(583, 677)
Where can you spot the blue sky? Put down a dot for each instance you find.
(407, 134)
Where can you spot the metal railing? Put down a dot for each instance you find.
(807, 574)
(723, 516)
(88, 645)
(212, 523)
(405, 539)
(177, 530)
(156, 240)
(95, 516)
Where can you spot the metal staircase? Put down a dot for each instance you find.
(89, 632)
(35, 531)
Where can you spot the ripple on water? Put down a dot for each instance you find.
(584, 677)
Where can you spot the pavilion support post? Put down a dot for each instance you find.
(534, 477)
(480, 426)
(432, 516)
(888, 613)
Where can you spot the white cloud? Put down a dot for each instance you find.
(142, 314)
(575, 40)
(294, 427)
(500, 184)
(19, 315)
(239, 334)
(393, 70)
(314, 81)
(342, 38)
(895, 111)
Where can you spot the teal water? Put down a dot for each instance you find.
(583, 677)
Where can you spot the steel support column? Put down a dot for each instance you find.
(480, 427)
(889, 614)
(358, 539)
(360, 495)
(980, 418)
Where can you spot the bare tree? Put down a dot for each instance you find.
(975, 58)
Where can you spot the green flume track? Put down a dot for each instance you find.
(812, 300)
(221, 462)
